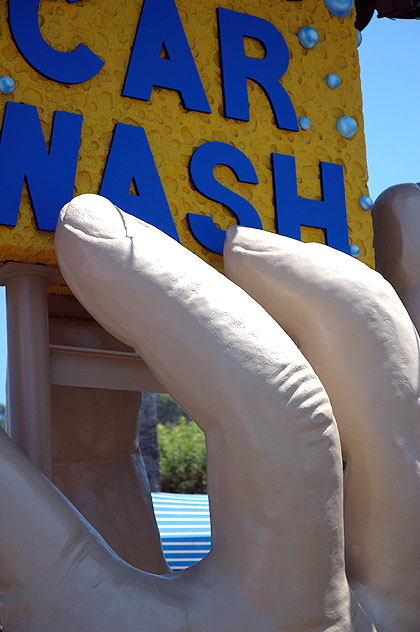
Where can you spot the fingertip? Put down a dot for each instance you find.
(94, 216)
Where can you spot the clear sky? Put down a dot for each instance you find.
(389, 59)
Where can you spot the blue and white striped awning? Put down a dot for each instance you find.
(184, 526)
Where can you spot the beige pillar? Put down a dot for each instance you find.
(29, 390)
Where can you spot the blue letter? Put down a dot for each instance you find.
(292, 211)
(74, 67)
(162, 57)
(49, 174)
(237, 67)
(203, 161)
(130, 161)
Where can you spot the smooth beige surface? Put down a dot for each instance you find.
(100, 368)
(28, 370)
(274, 460)
(396, 222)
(95, 452)
(356, 334)
(97, 465)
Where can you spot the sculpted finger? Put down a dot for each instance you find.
(274, 466)
(396, 226)
(357, 335)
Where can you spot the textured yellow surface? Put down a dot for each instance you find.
(108, 29)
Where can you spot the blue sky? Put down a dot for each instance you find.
(389, 58)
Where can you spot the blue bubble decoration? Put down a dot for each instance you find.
(7, 85)
(354, 250)
(333, 81)
(346, 126)
(365, 202)
(339, 8)
(359, 38)
(308, 37)
(304, 122)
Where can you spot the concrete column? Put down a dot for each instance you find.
(29, 385)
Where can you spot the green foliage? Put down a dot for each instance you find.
(182, 451)
(168, 411)
(2, 416)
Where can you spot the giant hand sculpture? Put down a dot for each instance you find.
(277, 562)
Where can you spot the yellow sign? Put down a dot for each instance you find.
(193, 115)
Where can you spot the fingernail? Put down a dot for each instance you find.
(93, 215)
